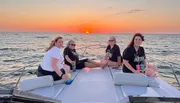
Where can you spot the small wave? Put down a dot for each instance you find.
(9, 60)
(166, 76)
(12, 49)
(36, 56)
(16, 74)
(16, 67)
(163, 67)
(164, 51)
(42, 37)
(102, 46)
(4, 49)
(177, 72)
(12, 60)
(17, 49)
(28, 50)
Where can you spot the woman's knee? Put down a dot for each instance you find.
(111, 63)
(88, 60)
(86, 64)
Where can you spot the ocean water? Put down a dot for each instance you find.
(27, 49)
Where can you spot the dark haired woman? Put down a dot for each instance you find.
(134, 55)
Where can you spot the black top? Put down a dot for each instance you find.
(113, 53)
(133, 57)
(72, 54)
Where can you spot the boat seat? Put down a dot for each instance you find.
(34, 83)
(56, 89)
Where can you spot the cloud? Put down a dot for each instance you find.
(131, 11)
(110, 7)
(136, 10)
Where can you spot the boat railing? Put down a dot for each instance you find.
(14, 95)
(85, 49)
(22, 69)
(171, 67)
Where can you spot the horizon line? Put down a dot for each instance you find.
(120, 33)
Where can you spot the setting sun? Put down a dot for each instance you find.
(87, 32)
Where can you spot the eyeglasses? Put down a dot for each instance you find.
(73, 44)
(110, 40)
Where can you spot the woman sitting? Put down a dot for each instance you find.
(134, 55)
(52, 63)
(72, 58)
(113, 55)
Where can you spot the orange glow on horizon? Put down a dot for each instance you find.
(87, 25)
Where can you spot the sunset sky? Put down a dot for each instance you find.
(94, 16)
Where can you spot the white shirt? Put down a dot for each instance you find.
(47, 59)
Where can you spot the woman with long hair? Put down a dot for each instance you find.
(52, 63)
(134, 55)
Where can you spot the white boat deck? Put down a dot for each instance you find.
(97, 86)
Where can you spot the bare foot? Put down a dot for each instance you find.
(103, 66)
(116, 67)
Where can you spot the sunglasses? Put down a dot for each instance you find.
(110, 40)
(73, 44)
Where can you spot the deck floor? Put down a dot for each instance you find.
(97, 86)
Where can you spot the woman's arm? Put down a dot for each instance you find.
(69, 60)
(145, 63)
(55, 67)
(118, 54)
(126, 63)
(105, 57)
(119, 61)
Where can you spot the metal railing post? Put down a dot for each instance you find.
(174, 74)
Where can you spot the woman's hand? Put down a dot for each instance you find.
(119, 64)
(73, 62)
(137, 72)
(65, 77)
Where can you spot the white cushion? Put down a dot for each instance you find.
(59, 81)
(130, 79)
(135, 79)
(35, 83)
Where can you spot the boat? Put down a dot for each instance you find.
(93, 86)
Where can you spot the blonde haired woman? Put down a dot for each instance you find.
(113, 55)
(72, 58)
(52, 63)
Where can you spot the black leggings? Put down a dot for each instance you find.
(81, 64)
(41, 72)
